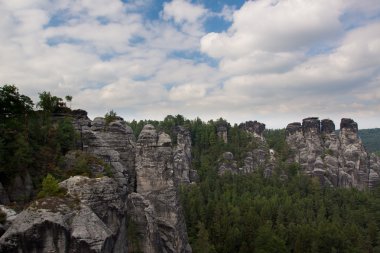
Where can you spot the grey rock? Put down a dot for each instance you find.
(228, 156)
(311, 124)
(327, 126)
(349, 124)
(81, 121)
(114, 144)
(101, 195)
(342, 158)
(164, 140)
(91, 218)
(373, 179)
(148, 136)
(227, 164)
(53, 225)
(10, 216)
(222, 133)
(253, 127)
(182, 156)
(293, 128)
(156, 183)
(98, 124)
(142, 218)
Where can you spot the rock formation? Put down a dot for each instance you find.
(156, 183)
(221, 130)
(182, 157)
(337, 159)
(228, 164)
(138, 209)
(90, 219)
(253, 127)
(260, 157)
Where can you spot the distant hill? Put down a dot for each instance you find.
(371, 139)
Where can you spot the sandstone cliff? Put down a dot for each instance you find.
(89, 219)
(137, 210)
(337, 159)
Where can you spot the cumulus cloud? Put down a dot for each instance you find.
(182, 11)
(278, 61)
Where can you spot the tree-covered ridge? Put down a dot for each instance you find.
(371, 139)
(286, 212)
(34, 141)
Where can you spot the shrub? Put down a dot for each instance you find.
(110, 116)
(50, 187)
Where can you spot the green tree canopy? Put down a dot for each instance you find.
(12, 103)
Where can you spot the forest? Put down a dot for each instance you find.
(251, 213)
(371, 139)
(224, 214)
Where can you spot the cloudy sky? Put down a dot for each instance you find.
(275, 61)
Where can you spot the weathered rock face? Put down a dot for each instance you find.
(228, 164)
(253, 127)
(114, 143)
(142, 217)
(337, 160)
(10, 215)
(156, 183)
(147, 171)
(182, 157)
(88, 220)
(260, 157)
(222, 133)
(101, 195)
(137, 210)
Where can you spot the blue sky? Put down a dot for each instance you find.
(275, 61)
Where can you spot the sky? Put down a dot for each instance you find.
(275, 61)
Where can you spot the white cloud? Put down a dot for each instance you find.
(182, 11)
(187, 92)
(278, 62)
(275, 26)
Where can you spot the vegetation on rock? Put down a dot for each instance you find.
(50, 188)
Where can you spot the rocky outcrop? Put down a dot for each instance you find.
(10, 215)
(182, 157)
(336, 159)
(101, 195)
(221, 130)
(143, 225)
(114, 143)
(88, 219)
(137, 210)
(156, 184)
(260, 157)
(253, 127)
(228, 164)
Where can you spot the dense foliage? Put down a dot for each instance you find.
(248, 213)
(35, 142)
(371, 139)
